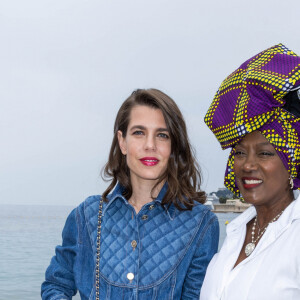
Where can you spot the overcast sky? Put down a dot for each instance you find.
(67, 65)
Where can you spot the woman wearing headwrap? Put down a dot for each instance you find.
(256, 113)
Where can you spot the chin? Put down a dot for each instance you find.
(251, 198)
(150, 177)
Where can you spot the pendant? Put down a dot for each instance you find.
(249, 248)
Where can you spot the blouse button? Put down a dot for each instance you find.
(130, 276)
(133, 244)
(151, 206)
(144, 217)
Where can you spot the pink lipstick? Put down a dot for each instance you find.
(149, 161)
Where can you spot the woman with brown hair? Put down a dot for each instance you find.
(148, 236)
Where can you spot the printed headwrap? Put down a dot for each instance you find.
(254, 98)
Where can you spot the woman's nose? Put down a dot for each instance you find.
(150, 143)
(250, 164)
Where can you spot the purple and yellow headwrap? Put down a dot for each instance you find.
(260, 95)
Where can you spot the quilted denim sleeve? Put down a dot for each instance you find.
(207, 246)
(60, 283)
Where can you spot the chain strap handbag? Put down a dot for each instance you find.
(98, 248)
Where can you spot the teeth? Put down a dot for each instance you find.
(151, 160)
(252, 181)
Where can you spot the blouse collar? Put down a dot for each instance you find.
(291, 213)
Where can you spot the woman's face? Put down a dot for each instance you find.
(147, 144)
(260, 174)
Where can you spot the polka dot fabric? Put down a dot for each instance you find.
(250, 99)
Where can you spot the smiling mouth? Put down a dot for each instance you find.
(251, 183)
(149, 161)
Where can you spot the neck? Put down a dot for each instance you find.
(142, 193)
(266, 213)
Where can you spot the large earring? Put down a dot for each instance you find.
(291, 182)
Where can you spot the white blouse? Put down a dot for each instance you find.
(271, 272)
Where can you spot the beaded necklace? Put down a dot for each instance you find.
(251, 246)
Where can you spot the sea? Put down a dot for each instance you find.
(28, 236)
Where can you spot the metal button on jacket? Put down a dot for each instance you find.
(144, 217)
(133, 244)
(130, 276)
(151, 206)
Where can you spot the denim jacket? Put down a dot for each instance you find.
(165, 250)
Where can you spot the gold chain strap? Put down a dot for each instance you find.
(98, 248)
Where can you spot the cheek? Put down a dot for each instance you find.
(278, 172)
(276, 175)
(166, 151)
(131, 152)
(236, 167)
(132, 146)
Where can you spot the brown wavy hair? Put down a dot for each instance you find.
(183, 172)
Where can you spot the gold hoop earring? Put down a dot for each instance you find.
(291, 182)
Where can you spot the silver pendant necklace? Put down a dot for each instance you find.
(251, 246)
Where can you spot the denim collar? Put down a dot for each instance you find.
(118, 194)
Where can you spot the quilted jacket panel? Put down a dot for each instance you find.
(165, 250)
(162, 239)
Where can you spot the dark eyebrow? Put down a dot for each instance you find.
(162, 129)
(144, 128)
(138, 127)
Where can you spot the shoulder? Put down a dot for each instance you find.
(207, 221)
(203, 227)
(87, 210)
(199, 217)
(198, 207)
(202, 213)
(91, 203)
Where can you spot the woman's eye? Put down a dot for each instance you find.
(163, 135)
(266, 153)
(239, 153)
(138, 132)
